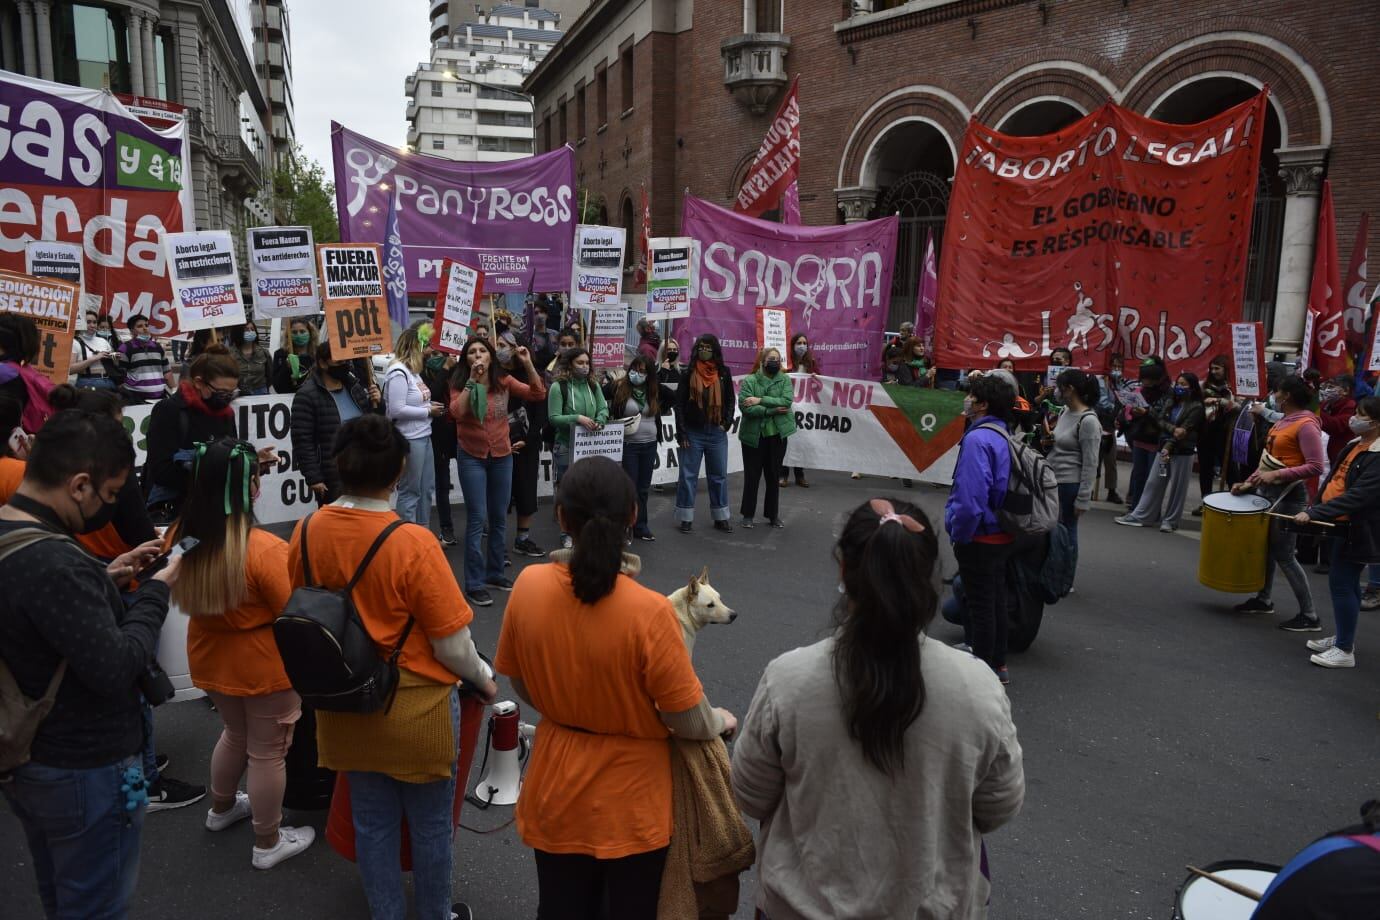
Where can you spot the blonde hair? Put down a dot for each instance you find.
(212, 583)
(408, 349)
(219, 512)
(762, 358)
(285, 336)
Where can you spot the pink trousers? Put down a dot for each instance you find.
(256, 738)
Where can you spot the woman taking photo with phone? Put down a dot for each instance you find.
(479, 402)
(602, 658)
(638, 394)
(234, 583)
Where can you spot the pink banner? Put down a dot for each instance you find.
(834, 281)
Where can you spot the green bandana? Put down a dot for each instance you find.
(640, 394)
(479, 399)
(295, 367)
(248, 459)
(916, 363)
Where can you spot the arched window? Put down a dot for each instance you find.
(920, 199)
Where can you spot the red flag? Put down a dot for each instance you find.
(1326, 348)
(778, 160)
(927, 294)
(1357, 308)
(644, 270)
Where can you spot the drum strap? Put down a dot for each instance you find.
(1368, 840)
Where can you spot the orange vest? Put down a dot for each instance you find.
(1283, 440)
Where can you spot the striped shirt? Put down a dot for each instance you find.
(145, 364)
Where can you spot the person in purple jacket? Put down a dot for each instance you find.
(980, 545)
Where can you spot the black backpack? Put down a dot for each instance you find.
(327, 652)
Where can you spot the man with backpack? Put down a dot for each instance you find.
(980, 543)
(72, 658)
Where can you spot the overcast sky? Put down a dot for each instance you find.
(349, 60)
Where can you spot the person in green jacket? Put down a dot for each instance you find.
(574, 400)
(765, 397)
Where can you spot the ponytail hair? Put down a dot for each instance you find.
(596, 503)
(102, 402)
(887, 554)
(213, 363)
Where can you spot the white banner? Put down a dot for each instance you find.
(596, 271)
(205, 282)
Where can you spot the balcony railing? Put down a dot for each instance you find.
(240, 166)
(755, 67)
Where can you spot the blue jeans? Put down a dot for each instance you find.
(83, 842)
(417, 482)
(380, 803)
(1068, 514)
(711, 444)
(147, 755)
(1142, 465)
(638, 460)
(486, 485)
(1344, 582)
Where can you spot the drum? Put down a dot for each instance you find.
(1203, 899)
(1234, 549)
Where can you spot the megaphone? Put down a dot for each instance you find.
(502, 779)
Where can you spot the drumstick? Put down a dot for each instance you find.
(1290, 517)
(1225, 883)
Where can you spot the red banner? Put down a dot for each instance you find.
(778, 161)
(1116, 235)
(1326, 345)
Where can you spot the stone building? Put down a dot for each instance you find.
(673, 94)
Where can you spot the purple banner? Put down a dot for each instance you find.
(514, 221)
(835, 281)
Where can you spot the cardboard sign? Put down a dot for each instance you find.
(605, 442)
(352, 289)
(460, 289)
(52, 305)
(668, 285)
(282, 271)
(1248, 359)
(606, 339)
(205, 281)
(774, 331)
(596, 271)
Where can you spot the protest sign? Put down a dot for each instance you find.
(1115, 235)
(876, 429)
(205, 281)
(610, 328)
(81, 168)
(668, 287)
(352, 290)
(62, 261)
(774, 331)
(460, 290)
(514, 221)
(603, 442)
(834, 281)
(777, 164)
(282, 271)
(596, 272)
(1248, 359)
(1052, 373)
(52, 305)
(1310, 321)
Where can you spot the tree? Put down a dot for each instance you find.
(303, 196)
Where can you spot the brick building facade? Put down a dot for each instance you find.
(676, 95)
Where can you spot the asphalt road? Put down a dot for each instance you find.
(1159, 729)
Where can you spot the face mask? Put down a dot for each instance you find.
(1181, 392)
(564, 352)
(672, 356)
(968, 406)
(1360, 425)
(435, 363)
(339, 372)
(800, 350)
(771, 367)
(104, 334)
(580, 372)
(893, 368)
(1116, 375)
(705, 354)
(104, 515)
(1327, 394)
(218, 399)
(637, 378)
(145, 337)
(504, 355)
(249, 336)
(301, 338)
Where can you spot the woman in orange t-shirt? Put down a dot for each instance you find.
(603, 659)
(235, 583)
(402, 759)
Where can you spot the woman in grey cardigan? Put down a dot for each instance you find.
(906, 741)
(1077, 442)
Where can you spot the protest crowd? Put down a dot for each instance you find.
(337, 650)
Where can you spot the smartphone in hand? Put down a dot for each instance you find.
(183, 546)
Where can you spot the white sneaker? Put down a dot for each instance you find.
(1167, 528)
(237, 813)
(1334, 658)
(1321, 645)
(1129, 521)
(291, 841)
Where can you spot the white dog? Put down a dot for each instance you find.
(697, 605)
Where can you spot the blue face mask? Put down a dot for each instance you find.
(1181, 392)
